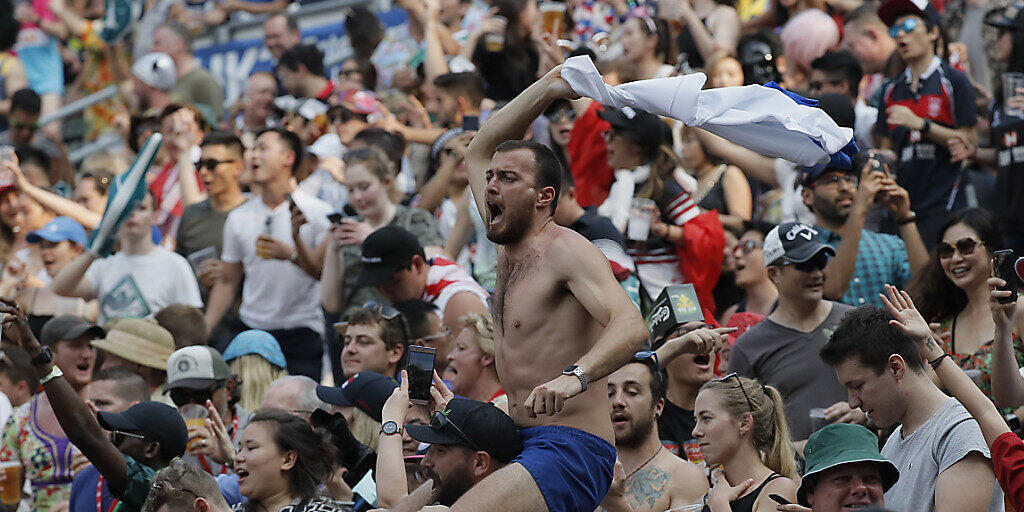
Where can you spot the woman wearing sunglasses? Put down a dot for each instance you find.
(281, 462)
(742, 432)
(953, 294)
(759, 294)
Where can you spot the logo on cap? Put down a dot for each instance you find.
(629, 112)
(186, 363)
(802, 230)
(372, 259)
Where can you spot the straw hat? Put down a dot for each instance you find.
(141, 341)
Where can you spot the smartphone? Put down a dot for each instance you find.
(1003, 263)
(335, 218)
(470, 123)
(421, 373)
(779, 499)
(6, 153)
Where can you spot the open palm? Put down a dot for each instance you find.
(906, 316)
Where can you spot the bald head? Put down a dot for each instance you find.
(295, 394)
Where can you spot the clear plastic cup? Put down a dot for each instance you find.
(195, 416)
(818, 420)
(639, 227)
(1012, 82)
(495, 42)
(551, 16)
(10, 488)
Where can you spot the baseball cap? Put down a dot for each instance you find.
(808, 175)
(366, 390)
(793, 242)
(1010, 17)
(648, 127)
(156, 70)
(67, 327)
(838, 444)
(141, 341)
(474, 424)
(258, 342)
(386, 251)
(58, 230)
(159, 422)
(329, 144)
(892, 9)
(195, 367)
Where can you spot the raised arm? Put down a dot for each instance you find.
(71, 280)
(1007, 383)
(511, 123)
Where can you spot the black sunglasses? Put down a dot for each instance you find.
(441, 422)
(183, 396)
(818, 262)
(966, 247)
(740, 384)
(118, 436)
(210, 163)
(555, 116)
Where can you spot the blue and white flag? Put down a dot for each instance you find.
(126, 192)
(766, 119)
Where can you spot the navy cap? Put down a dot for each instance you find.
(808, 175)
(890, 10)
(159, 422)
(1010, 17)
(477, 425)
(58, 230)
(366, 390)
(793, 242)
(386, 251)
(648, 128)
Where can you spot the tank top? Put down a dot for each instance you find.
(746, 503)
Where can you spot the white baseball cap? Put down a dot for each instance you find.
(156, 70)
(196, 367)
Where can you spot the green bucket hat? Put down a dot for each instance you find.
(839, 444)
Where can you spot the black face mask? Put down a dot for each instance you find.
(356, 457)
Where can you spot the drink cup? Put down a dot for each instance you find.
(1012, 82)
(10, 488)
(495, 42)
(818, 420)
(551, 16)
(639, 227)
(194, 416)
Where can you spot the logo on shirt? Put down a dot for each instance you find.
(124, 300)
(934, 106)
(1010, 139)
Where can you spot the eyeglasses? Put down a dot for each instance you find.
(557, 115)
(818, 84)
(965, 246)
(836, 179)
(747, 246)
(118, 436)
(740, 384)
(443, 334)
(389, 313)
(818, 262)
(349, 72)
(441, 422)
(183, 396)
(18, 125)
(210, 163)
(906, 27)
(450, 153)
(648, 357)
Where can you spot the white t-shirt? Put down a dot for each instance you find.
(139, 285)
(276, 294)
(445, 279)
(793, 208)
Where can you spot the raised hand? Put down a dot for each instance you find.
(440, 395)
(705, 340)
(1002, 314)
(396, 408)
(906, 316)
(16, 328)
(722, 493)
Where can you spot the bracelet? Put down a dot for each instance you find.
(54, 373)
(910, 218)
(937, 361)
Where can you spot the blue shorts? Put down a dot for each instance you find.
(572, 468)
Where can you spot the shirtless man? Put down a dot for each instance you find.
(562, 322)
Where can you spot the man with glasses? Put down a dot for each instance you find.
(183, 488)
(426, 329)
(656, 479)
(375, 339)
(864, 261)
(198, 374)
(23, 124)
(782, 349)
(923, 109)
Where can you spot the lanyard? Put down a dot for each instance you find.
(202, 458)
(99, 497)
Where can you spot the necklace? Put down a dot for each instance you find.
(646, 462)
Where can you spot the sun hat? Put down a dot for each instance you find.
(838, 444)
(141, 341)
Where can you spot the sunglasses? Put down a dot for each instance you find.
(739, 383)
(118, 436)
(443, 334)
(747, 246)
(441, 422)
(557, 115)
(349, 72)
(816, 263)
(389, 313)
(906, 27)
(818, 84)
(182, 396)
(836, 179)
(965, 246)
(210, 163)
(648, 357)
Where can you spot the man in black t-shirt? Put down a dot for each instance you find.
(593, 227)
(686, 374)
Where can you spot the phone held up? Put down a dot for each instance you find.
(420, 369)
(1003, 266)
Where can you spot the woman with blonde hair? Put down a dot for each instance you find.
(256, 360)
(471, 362)
(742, 431)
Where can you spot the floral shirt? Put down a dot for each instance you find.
(46, 459)
(317, 504)
(980, 360)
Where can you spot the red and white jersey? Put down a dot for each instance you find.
(445, 279)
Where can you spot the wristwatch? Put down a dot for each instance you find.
(577, 372)
(54, 373)
(390, 428)
(43, 357)
(926, 127)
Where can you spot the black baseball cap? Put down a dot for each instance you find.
(473, 424)
(793, 242)
(1010, 17)
(366, 390)
(648, 127)
(67, 327)
(159, 422)
(892, 9)
(386, 251)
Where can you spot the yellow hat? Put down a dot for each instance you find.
(141, 341)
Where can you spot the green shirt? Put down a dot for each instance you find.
(138, 480)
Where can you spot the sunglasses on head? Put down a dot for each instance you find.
(648, 357)
(965, 246)
(118, 436)
(557, 115)
(389, 313)
(441, 422)
(739, 383)
(906, 27)
(183, 396)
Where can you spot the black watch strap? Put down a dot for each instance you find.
(43, 357)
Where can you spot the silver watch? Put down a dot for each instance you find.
(577, 372)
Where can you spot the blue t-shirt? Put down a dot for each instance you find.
(83, 492)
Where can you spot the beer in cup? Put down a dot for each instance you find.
(551, 16)
(194, 416)
(495, 42)
(10, 488)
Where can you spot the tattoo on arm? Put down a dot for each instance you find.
(645, 487)
(930, 344)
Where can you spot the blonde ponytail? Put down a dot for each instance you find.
(781, 457)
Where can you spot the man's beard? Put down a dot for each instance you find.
(514, 230)
(830, 212)
(636, 435)
(449, 490)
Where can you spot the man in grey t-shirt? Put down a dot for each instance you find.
(942, 458)
(782, 349)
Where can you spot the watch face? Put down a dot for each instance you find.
(389, 427)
